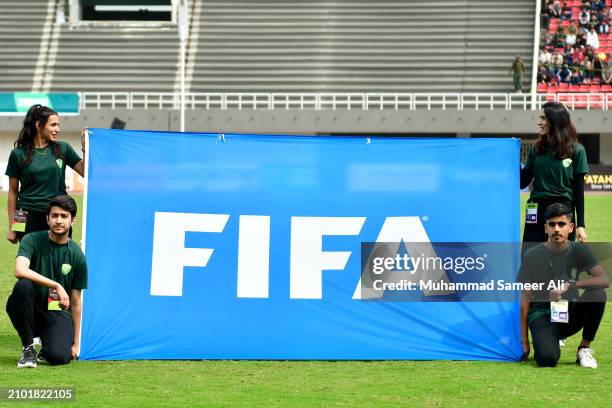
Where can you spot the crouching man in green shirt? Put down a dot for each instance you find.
(46, 300)
(558, 311)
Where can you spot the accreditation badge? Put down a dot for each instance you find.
(53, 300)
(18, 223)
(531, 213)
(559, 311)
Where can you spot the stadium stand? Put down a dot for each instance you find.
(361, 46)
(116, 57)
(571, 60)
(21, 28)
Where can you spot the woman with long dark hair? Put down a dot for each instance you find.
(37, 171)
(557, 164)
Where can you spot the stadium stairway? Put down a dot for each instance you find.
(21, 28)
(361, 45)
(116, 57)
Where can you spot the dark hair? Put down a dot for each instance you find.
(36, 113)
(64, 202)
(558, 210)
(561, 134)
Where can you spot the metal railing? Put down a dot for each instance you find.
(341, 101)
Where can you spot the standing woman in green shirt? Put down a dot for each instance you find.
(37, 170)
(557, 164)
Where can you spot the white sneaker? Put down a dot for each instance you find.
(584, 356)
(561, 342)
(37, 341)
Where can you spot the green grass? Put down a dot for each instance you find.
(282, 383)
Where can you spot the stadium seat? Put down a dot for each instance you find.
(606, 88)
(563, 97)
(563, 87)
(542, 88)
(595, 88)
(585, 88)
(574, 88)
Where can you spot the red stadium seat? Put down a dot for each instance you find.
(606, 88)
(574, 88)
(542, 87)
(585, 88)
(563, 87)
(594, 88)
(563, 97)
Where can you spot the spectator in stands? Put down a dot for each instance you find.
(554, 73)
(545, 56)
(570, 39)
(580, 40)
(566, 13)
(603, 26)
(544, 21)
(568, 54)
(559, 40)
(579, 55)
(557, 60)
(606, 77)
(584, 20)
(598, 68)
(555, 9)
(589, 72)
(597, 5)
(518, 67)
(36, 170)
(592, 38)
(548, 38)
(556, 164)
(543, 76)
(594, 21)
(576, 78)
(565, 74)
(572, 29)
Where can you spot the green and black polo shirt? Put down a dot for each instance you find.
(42, 179)
(64, 264)
(554, 177)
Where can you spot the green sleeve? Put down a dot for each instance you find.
(71, 157)
(531, 156)
(27, 247)
(13, 168)
(581, 165)
(80, 274)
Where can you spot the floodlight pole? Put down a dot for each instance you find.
(183, 24)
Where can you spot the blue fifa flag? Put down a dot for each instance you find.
(207, 246)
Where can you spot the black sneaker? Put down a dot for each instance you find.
(40, 359)
(28, 358)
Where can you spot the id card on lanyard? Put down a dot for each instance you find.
(531, 213)
(559, 311)
(18, 223)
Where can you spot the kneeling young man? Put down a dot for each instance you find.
(46, 300)
(561, 260)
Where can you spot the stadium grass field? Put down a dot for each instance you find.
(319, 383)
